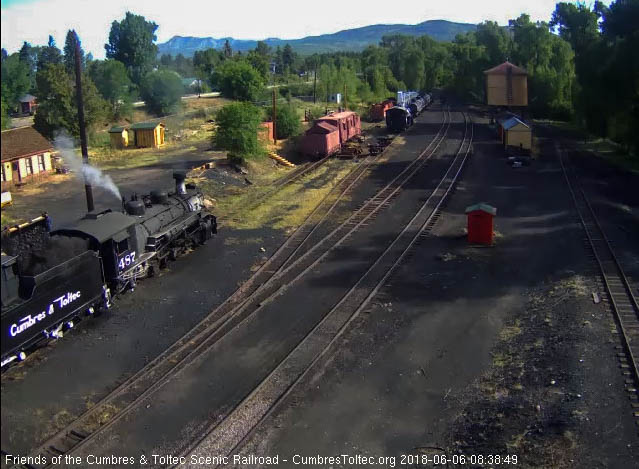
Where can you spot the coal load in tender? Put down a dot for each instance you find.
(56, 250)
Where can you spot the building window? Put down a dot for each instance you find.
(4, 176)
(28, 165)
(41, 162)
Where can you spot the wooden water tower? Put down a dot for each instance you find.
(506, 85)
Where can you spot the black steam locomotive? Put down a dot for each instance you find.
(51, 278)
(402, 116)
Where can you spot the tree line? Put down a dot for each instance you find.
(582, 65)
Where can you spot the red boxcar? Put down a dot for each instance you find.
(328, 133)
(378, 111)
(322, 139)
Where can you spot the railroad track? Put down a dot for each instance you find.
(226, 435)
(260, 287)
(299, 172)
(618, 289)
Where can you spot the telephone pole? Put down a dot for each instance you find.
(315, 84)
(274, 119)
(83, 131)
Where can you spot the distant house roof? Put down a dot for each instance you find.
(513, 122)
(502, 69)
(27, 98)
(116, 129)
(23, 141)
(146, 125)
(189, 81)
(483, 208)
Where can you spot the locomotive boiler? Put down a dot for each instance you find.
(52, 278)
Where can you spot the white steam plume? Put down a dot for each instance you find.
(92, 175)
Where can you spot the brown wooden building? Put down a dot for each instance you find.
(26, 155)
(506, 85)
(148, 134)
(119, 136)
(515, 133)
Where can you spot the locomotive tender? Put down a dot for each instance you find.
(77, 269)
(409, 105)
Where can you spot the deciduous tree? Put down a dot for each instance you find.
(162, 91)
(57, 108)
(16, 80)
(131, 41)
(237, 128)
(112, 80)
(238, 80)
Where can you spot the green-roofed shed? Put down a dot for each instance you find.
(119, 136)
(148, 134)
(483, 207)
(480, 223)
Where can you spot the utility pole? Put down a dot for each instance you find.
(345, 96)
(274, 119)
(83, 131)
(315, 84)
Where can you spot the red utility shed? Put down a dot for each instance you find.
(480, 223)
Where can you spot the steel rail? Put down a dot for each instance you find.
(618, 288)
(83, 429)
(229, 433)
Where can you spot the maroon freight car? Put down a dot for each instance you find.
(378, 111)
(328, 133)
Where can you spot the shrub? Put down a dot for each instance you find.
(162, 91)
(287, 123)
(238, 80)
(237, 127)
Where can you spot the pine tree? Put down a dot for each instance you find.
(69, 52)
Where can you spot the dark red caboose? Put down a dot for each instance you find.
(480, 223)
(347, 122)
(328, 133)
(321, 140)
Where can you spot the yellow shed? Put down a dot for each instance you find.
(517, 134)
(148, 134)
(506, 85)
(119, 137)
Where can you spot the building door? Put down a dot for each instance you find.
(15, 172)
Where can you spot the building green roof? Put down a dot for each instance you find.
(483, 207)
(145, 125)
(116, 129)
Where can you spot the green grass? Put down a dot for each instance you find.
(287, 209)
(600, 147)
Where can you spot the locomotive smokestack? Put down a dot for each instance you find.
(180, 187)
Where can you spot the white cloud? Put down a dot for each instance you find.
(243, 19)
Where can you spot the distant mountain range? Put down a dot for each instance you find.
(347, 40)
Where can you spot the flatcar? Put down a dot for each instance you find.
(327, 134)
(52, 278)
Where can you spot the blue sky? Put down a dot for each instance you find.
(34, 20)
